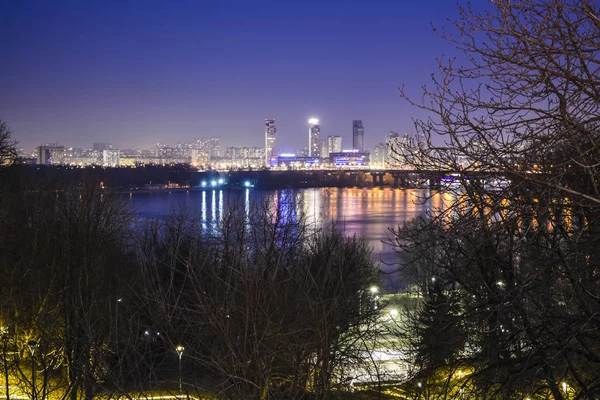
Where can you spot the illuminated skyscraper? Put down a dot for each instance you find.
(358, 136)
(334, 144)
(314, 138)
(270, 137)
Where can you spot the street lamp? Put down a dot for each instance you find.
(32, 344)
(119, 300)
(179, 349)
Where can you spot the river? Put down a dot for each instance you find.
(369, 213)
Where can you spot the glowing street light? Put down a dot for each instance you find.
(374, 289)
(393, 313)
(179, 349)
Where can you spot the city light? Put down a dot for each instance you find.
(213, 183)
(247, 184)
(313, 121)
(221, 181)
(203, 183)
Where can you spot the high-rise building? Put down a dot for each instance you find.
(51, 154)
(358, 136)
(324, 149)
(314, 138)
(334, 144)
(270, 137)
(111, 158)
(200, 158)
(378, 154)
(215, 146)
(391, 143)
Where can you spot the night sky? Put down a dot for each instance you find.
(134, 72)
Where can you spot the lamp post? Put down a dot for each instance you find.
(179, 349)
(4, 337)
(119, 300)
(32, 344)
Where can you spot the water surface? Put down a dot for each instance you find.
(367, 213)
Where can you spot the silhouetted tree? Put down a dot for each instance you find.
(8, 151)
(264, 306)
(520, 106)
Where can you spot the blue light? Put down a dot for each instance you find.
(221, 181)
(203, 183)
(247, 183)
(213, 183)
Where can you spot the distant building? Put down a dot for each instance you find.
(324, 149)
(391, 142)
(51, 154)
(215, 147)
(314, 138)
(100, 147)
(293, 161)
(270, 139)
(358, 136)
(349, 158)
(334, 144)
(245, 157)
(200, 158)
(378, 155)
(402, 150)
(111, 158)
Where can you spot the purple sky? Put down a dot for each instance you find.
(134, 72)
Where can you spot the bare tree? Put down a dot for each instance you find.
(8, 151)
(520, 105)
(63, 256)
(264, 307)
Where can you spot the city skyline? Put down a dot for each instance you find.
(130, 75)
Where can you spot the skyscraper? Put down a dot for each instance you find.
(358, 136)
(314, 136)
(334, 144)
(270, 137)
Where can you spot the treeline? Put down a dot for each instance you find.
(129, 178)
(95, 302)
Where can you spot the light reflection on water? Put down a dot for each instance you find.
(366, 213)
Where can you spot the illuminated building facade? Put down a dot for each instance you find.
(358, 136)
(51, 155)
(334, 144)
(111, 158)
(314, 138)
(270, 138)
